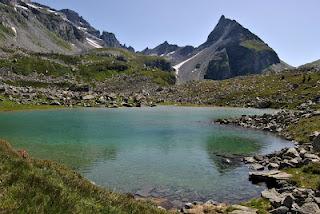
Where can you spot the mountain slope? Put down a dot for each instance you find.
(230, 50)
(39, 28)
(312, 65)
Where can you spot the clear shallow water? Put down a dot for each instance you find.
(173, 152)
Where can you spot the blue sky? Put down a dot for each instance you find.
(291, 27)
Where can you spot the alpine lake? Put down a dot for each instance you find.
(170, 152)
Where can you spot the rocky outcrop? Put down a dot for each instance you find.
(293, 200)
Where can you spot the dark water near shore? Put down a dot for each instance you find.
(172, 152)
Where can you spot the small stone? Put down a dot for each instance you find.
(273, 166)
(249, 160)
(258, 157)
(280, 210)
(292, 152)
(243, 210)
(257, 167)
(188, 205)
(88, 97)
(55, 103)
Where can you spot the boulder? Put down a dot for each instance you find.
(88, 97)
(309, 208)
(55, 103)
(272, 166)
(288, 201)
(273, 196)
(188, 205)
(270, 177)
(292, 152)
(249, 160)
(311, 156)
(257, 167)
(316, 144)
(259, 157)
(238, 209)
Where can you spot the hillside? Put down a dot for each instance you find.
(291, 89)
(230, 50)
(312, 65)
(109, 77)
(39, 28)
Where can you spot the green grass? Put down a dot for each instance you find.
(36, 84)
(306, 176)
(255, 45)
(28, 64)
(35, 186)
(96, 65)
(59, 41)
(304, 128)
(6, 105)
(261, 204)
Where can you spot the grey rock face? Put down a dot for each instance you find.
(110, 40)
(237, 51)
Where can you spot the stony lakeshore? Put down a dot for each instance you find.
(284, 196)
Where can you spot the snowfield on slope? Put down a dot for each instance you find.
(178, 66)
(93, 43)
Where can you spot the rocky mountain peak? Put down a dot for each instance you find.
(110, 40)
(79, 21)
(163, 49)
(231, 30)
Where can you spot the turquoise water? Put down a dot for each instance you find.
(172, 152)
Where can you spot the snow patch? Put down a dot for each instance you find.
(20, 6)
(53, 11)
(93, 43)
(177, 67)
(171, 53)
(82, 28)
(33, 6)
